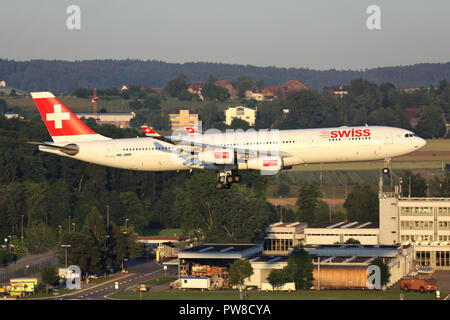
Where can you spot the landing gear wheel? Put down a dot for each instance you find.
(222, 179)
(237, 178)
(230, 179)
(385, 170)
(220, 186)
(227, 186)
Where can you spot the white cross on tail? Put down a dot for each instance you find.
(58, 116)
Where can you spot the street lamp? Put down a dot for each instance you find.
(65, 246)
(21, 232)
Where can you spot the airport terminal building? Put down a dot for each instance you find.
(423, 222)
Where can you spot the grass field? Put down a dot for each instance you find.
(260, 295)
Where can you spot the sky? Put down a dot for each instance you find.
(315, 34)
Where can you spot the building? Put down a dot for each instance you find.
(345, 266)
(282, 236)
(2, 84)
(121, 120)
(413, 219)
(423, 222)
(339, 266)
(229, 86)
(212, 261)
(12, 115)
(182, 119)
(413, 115)
(254, 94)
(340, 90)
(268, 93)
(6, 91)
(293, 86)
(240, 112)
(366, 233)
(196, 88)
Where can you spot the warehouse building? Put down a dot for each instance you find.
(206, 266)
(366, 233)
(340, 266)
(121, 120)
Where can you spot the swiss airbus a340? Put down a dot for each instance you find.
(267, 150)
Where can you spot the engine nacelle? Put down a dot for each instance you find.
(217, 156)
(265, 163)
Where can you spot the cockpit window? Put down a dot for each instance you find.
(410, 135)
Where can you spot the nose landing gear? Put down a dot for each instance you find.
(226, 178)
(387, 166)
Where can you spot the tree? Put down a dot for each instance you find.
(362, 204)
(384, 270)
(431, 123)
(239, 271)
(133, 210)
(212, 92)
(40, 238)
(49, 276)
(260, 84)
(176, 87)
(308, 202)
(237, 123)
(278, 277)
(322, 213)
(414, 182)
(283, 189)
(300, 268)
(352, 241)
(238, 215)
(153, 101)
(3, 106)
(243, 84)
(94, 225)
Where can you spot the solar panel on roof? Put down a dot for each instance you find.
(205, 249)
(348, 225)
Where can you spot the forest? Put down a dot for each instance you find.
(63, 76)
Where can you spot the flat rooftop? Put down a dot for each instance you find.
(287, 224)
(221, 251)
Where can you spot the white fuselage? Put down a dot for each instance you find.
(302, 146)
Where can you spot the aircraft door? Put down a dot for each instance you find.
(109, 150)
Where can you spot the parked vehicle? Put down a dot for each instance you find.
(417, 283)
(143, 287)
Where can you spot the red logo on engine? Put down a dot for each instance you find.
(221, 155)
(270, 163)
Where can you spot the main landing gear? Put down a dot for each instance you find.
(226, 178)
(387, 166)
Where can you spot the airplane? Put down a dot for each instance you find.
(227, 153)
(149, 132)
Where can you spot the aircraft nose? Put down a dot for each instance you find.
(421, 143)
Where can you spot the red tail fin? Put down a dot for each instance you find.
(149, 132)
(61, 123)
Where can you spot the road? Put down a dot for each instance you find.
(139, 272)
